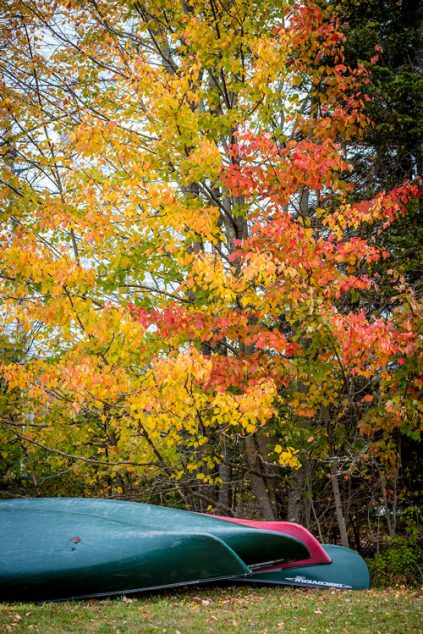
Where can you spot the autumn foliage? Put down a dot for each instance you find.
(185, 267)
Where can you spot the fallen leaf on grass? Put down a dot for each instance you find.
(127, 600)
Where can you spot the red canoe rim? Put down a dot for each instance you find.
(318, 555)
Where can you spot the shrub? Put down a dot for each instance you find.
(399, 563)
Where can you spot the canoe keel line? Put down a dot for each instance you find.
(72, 548)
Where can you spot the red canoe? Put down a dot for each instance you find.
(329, 566)
(318, 555)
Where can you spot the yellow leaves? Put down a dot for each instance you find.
(170, 397)
(204, 162)
(166, 216)
(270, 61)
(199, 221)
(318, 389)
(88, 138)
(257, 405)
(259, 273)
(288, 457)
(225, 409)
(212, 47)
(172, 400)
(247, 411)
(189, 363)
(207, 479)
(208, 273)
(260, 269)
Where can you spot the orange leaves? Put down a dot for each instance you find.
(273, 340)
(77, 380)
(89, 139)
(384, 208)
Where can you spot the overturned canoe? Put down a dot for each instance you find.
(76, 548)
(329, 565)
(55, 555)
(318, 554)
(347, 570)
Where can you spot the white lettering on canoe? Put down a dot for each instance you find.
(314, 582)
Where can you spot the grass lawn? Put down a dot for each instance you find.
(226, 610)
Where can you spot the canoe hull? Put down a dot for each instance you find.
(76, 548)
(67, 556)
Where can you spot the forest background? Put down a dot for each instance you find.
(211, 261)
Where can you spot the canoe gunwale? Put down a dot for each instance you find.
(117, 593)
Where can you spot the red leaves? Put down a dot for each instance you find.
(143, 316)
(227, 373)
(272, 339)
(367, 346)
(264, 169)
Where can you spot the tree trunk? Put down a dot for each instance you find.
(295, 497)
(224, 501)
(271, 472)
(356, 532)
(338, 505)
(258, 481)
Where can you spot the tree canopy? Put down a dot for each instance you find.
(189, 272)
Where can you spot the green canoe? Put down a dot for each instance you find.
(75, 548)
(346, 571)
